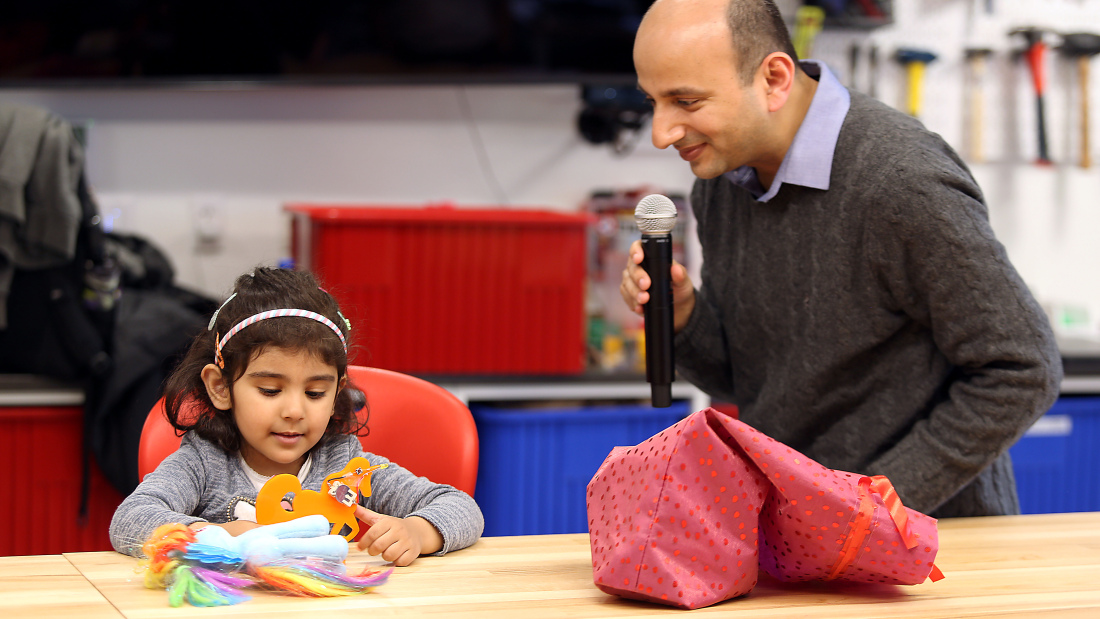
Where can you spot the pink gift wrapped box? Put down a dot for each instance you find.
(690, 515)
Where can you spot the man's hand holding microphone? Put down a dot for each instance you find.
(635, 286)
(659, 288)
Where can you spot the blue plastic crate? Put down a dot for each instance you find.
(535, 464)
(1057, 463)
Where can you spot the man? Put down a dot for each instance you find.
(854, 302)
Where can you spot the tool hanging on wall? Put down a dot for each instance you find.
(1082, 46)
(872, 70)
(976, 62)
(914, 61)
(853, 65)
(807, 23)
(1035, 53)
(869, 8)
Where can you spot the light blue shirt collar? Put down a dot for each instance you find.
(809, 160)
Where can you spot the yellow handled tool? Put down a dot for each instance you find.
(914, 61)
(808, 21)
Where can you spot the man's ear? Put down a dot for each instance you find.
(778, 74)
(216, 387)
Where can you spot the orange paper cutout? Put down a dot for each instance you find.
(336, 501)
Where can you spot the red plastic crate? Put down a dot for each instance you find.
(42, 460)
(444, 290)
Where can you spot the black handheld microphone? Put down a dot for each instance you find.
(655, 216)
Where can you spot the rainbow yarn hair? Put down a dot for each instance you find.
(212, 568)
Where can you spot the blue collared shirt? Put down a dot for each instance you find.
(810, 158)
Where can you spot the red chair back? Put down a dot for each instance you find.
(417, 424)
(158, 439)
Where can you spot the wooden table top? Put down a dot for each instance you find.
(48, 586)
(1019, 566)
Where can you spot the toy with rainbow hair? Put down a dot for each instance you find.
(210, 567)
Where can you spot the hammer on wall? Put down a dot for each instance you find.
(975, 59)
(1082, 46)
(1035, 53)
(914, 61)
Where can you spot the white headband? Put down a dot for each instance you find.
(276, 313)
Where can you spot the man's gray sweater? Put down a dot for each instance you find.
(878, 327)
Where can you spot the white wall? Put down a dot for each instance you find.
(170, 162)
(165, 161)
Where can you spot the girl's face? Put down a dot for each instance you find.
(282, 404)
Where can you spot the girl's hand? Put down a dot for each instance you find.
(398, 540)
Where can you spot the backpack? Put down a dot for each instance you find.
(109, 319)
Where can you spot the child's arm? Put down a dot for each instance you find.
(399, 493)
(171, 493)
(168, 494)
(399, 540)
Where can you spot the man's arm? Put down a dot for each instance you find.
(702, 347)
(937, 255)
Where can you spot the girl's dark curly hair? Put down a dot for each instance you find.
(186, 401)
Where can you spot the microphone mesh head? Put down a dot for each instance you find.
(655, 214)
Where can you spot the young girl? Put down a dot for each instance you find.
(262, 392)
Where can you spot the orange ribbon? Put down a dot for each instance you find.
(860, 526)
(858, 530)
(885, 489)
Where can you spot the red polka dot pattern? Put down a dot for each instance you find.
(674, 519)
(687, 518)
(808, 516)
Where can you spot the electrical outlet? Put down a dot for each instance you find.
(208, 225)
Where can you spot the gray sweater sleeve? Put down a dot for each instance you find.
(200, 482)
(177, 491)
(943, 267)
(703, 347)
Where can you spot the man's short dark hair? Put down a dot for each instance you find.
(758, 30)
